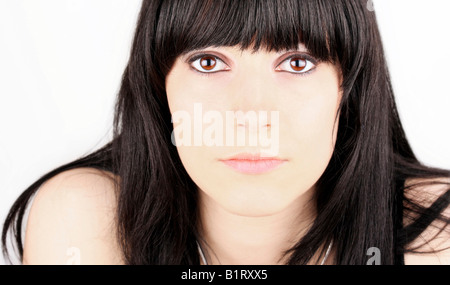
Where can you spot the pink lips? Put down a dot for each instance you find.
(253, 164)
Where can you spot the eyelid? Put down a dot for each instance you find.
(304, 56)
(198, 56)
(195, 56)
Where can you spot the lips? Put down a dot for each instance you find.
(253, 163)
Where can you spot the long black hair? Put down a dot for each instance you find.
(361, 197)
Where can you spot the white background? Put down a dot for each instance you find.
(61, 62)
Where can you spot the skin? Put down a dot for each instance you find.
(248, 218)
(245, 219)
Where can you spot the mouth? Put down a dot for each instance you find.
(253, 163)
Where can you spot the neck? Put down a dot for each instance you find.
(229, 238)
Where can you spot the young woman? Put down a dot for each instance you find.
(337, 183)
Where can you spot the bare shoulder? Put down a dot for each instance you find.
(72, 220)
(437, 235)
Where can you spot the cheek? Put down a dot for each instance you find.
(184, 88)
(314, 121)
(179, 91)
(312, 125)
(314, 134)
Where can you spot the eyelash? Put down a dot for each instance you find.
(199, 56)
(304, 56)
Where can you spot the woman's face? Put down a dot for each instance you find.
(219, 97)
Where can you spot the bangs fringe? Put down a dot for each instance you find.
(274, 25)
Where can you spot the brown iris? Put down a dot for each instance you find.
(208, 62)
(298, 63)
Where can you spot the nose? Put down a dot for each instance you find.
(253, 120)
(252, 91)
(252, 97)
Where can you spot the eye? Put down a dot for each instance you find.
(299, 64)
(208, 64)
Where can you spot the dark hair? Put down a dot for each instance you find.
(361, 197)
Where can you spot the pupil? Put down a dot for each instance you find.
(208, 63)
(298, 64)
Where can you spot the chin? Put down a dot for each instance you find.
(255, 202)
